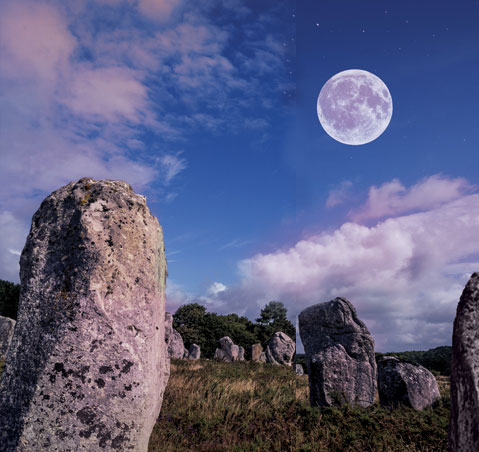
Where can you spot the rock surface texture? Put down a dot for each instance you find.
(464, 421)
(256, 350)
(6, 332)
(228, 351)
(340, 355)
(402, 383)
(194, 352)
(176, 347)
(87, 366)
(280, 349)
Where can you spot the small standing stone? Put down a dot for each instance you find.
(195, 352)
(6, 332)
(280, 349)
(298, 368)
(405, 383)
(176, 348)
(256, 350)
(240, 353)
(228, 351)
(340, 355)
(464, 421)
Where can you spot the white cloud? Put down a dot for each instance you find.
(216, 288)
(404, 275)
(12, 240)
(158, 9)
(393, 198)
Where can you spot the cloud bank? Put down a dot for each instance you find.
(404, 274)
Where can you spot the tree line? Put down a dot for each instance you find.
(196, 325)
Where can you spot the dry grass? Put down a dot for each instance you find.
(247, 407)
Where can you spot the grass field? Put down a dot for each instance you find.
(240, 407)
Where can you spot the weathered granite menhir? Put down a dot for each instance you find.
(339, 353)
(87, 365)
(464, 420)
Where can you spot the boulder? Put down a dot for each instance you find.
(403, 383)
(176, 348)
(262, 357)
(280, 349)
(186, 353)
(240, 353)
(256, 350)
(339, 355)
(298, 368)
(464, 421)
(228, 351)
(87, 365)
(195, 352)
(6, 332)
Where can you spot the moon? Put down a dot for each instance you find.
(354, 107)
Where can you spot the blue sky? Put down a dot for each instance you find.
(209, 108)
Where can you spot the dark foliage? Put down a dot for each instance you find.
(9, 296)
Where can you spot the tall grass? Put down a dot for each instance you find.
(242, 407)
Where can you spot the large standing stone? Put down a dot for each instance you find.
(402, 383)
(256, 350)
(340, 354)
(194, 352)
(6, 332)
(464, 422)
(176, 347)
(87, 366)
(228, 351)
(280, 349)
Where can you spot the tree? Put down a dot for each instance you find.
(9, 296)
(273, 318)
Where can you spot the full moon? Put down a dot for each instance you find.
(354, 107)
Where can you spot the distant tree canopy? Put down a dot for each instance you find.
(9, 296)
(205, 328)
(272, 319)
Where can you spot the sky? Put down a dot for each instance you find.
(209, 109)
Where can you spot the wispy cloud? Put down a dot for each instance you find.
(235, 243)
(171, 165)
(339, 194)
(393, 198)
(86, 96)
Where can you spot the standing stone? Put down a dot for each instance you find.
(6, 332)
(240, 353)
(228, 351)
(262, 357)
(402, 383)
(87, 367)
(339, 353)
(280, 349)
(256, 350)
(176, 348)
(464, 421)
(195, 352)
(298, 368)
